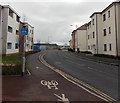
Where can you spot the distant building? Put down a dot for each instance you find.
(28, 38)
(45, 46)
(70, 43)
(73, 40)
(10, 30)
(81, 38)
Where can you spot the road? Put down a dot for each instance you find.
(44, 85)
(100, 76)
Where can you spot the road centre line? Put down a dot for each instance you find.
(102, 95)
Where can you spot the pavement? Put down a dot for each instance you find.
(103, 60)
(43, 84)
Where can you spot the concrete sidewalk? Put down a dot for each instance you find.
(104, 60)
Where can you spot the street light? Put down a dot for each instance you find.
(74, 25)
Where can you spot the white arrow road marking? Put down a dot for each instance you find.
(63, 99)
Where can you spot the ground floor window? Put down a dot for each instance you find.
(9, 45)
(16, 45)
(105, 47)
(110, 47)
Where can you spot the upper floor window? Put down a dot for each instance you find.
(104, 17)
(93, 22)
(9, 45)
(104, 31)
(88, 36)
(108, 13)
(109, 30)
(10, 13)
(10, 29)
(17, 32)
(17, 18)
(93, 34)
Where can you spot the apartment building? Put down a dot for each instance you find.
(73, 40)
(28, 38)
(103, 33)
(10, 30)
(81, 38)
(94, 33)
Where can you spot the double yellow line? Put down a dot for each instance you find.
(103, 95)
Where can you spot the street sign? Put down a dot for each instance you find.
(24, 31)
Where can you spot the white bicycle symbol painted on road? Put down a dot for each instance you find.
(50, 84)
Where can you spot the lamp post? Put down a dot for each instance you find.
(75, 26)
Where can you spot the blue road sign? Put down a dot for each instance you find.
(24, 31)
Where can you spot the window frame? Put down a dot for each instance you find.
(104, 17)
(10, 29)
(105, 47)
(104, 32)
(9, 45)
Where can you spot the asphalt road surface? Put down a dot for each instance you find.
(100, 76)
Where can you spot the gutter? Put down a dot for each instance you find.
(116, 32)
(96, 34)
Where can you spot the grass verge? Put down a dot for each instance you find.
(12, 65)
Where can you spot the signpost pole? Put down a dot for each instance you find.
(23, 32)
(23, 55)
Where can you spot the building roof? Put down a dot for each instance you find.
(26, 23)
(117, 1)
(7, 6)
(94, 14)
(83, 27)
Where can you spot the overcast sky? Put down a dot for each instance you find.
(52, 18)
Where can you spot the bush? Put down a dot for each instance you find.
(11, 70)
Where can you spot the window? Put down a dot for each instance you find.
(17, 32)
(17, 18)
(93, 21)
(31, 31)
(104, 17)
(109, 30)
(88, 37)
(108, 13)
(10, 13)
(94, 47)
(93, 34)
(105, 47)
(88, 47)
(9, 45)
(104, 31)
(10, 29)
(16, 45)
(110, 47)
